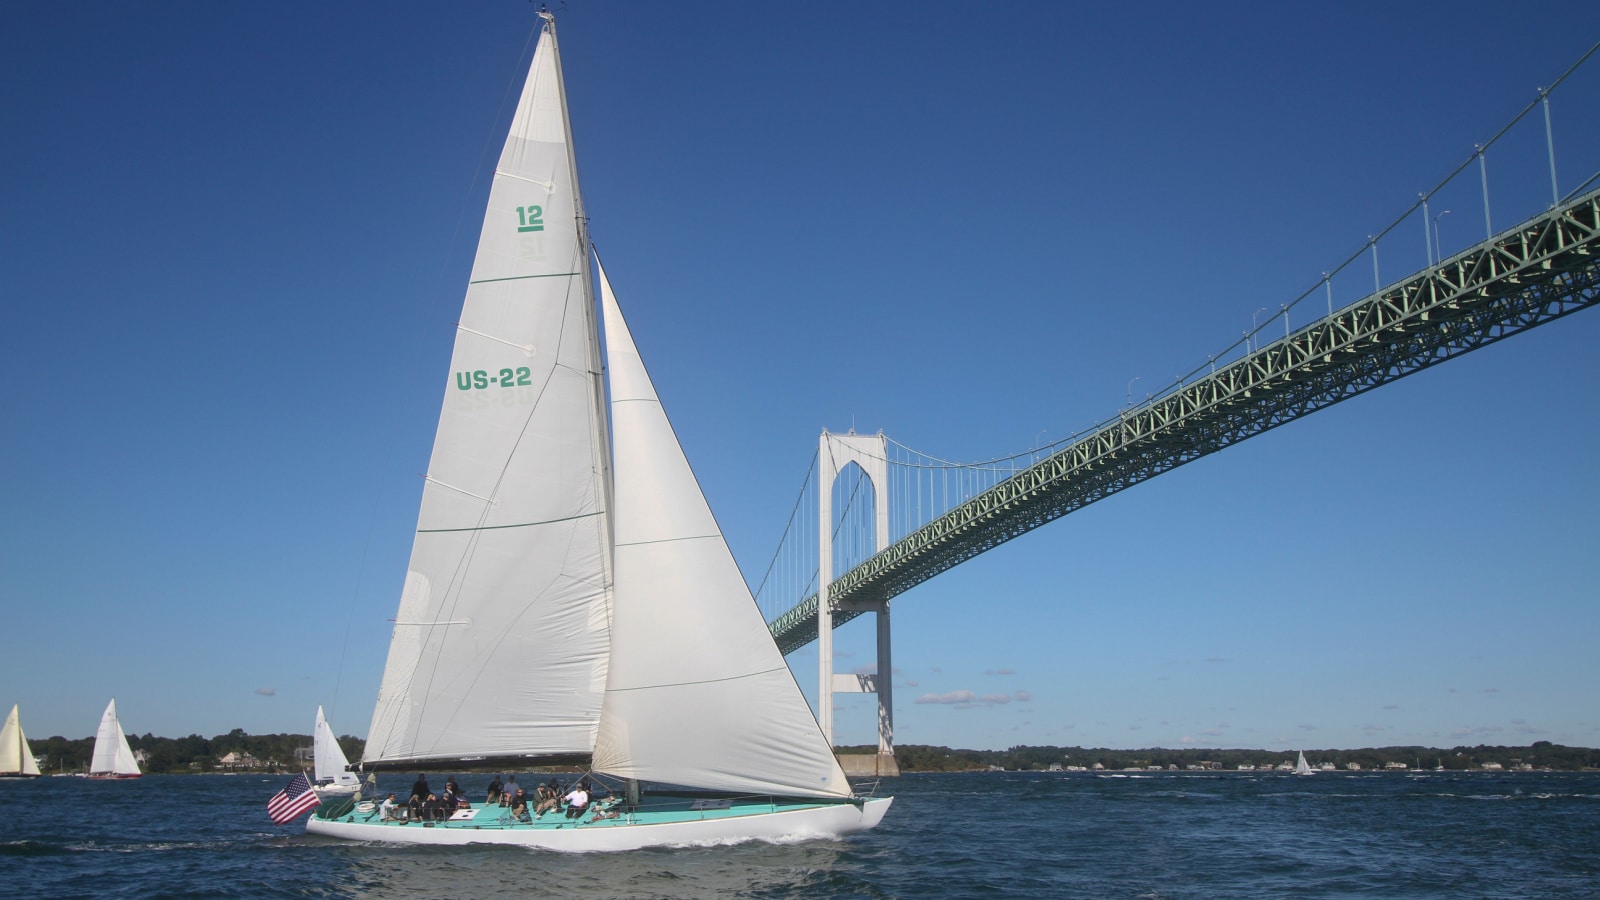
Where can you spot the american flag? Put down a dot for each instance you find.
(293, 801)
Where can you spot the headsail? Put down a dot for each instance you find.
(112, 755)
(698, 693)
(330, 763)
(15, 757)
(500, 645)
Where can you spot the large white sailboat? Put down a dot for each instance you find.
(113, 758)
(331, 768)
(570, 599)
(16, 760)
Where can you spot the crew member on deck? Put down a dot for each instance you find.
(577, 802)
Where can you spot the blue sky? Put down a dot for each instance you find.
(237, 237)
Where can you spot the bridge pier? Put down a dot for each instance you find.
(834, 453)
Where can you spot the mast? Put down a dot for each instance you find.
(580, 216)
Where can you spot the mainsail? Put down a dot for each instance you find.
(112, 755)
(500, 645)
(698, 693)
(15, 757)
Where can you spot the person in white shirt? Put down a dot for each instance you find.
(577, 802)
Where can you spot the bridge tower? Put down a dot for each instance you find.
(834, 453)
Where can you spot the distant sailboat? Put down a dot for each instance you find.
(333, 777)
(16, 760)
(1300, 766)
(570, 598)
(113, 758)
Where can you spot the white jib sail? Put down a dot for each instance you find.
(15, 757)
(500, 644)
(329, 761)
(698, 694)
(112, 755)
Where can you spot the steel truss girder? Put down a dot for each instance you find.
(1539, 271)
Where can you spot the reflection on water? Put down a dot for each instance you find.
(755, 869)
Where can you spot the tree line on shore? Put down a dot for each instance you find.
(161, 755)
(290, 752)
(1539, 755)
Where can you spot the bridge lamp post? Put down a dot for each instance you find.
(1253, 326)
(1438, 254)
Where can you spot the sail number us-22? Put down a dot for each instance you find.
(481, 379)
(530, 218)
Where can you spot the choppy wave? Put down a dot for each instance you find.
(1158, 835)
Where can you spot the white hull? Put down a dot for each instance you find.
(814, 822)
(335, 790)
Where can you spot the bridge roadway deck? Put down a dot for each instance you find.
(1543, 269)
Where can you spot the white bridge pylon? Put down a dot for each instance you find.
(834, 453)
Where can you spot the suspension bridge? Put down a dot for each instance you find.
(880, 518)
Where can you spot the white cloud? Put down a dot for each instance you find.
(952, 698)
(267, 692)
(1024, 696)
(966, 698)
(1006, 671)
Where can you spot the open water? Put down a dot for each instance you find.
(1144, 835)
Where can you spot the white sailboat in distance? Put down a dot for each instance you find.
(332, 769)
(16, 760)
(1301, 767)
(113, 758)
(570, 599)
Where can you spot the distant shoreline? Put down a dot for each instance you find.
(238, 752)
